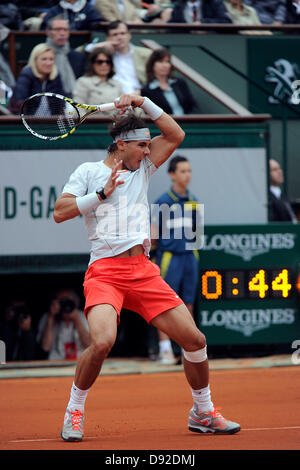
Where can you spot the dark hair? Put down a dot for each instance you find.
(122, 124)
(55, 18)
(173, 163)
(114, 25)
(156, 56)
(92, 58)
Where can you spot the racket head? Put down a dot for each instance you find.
(50, 116)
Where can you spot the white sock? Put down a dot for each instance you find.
(202, 400)
(165, 346)
(77, 398)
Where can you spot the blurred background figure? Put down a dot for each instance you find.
(7, 79)
(269, 11)
(171, 94)
(129, 60)
(281, 208)
(33, 11)
(38, 76)
(292, 12)
(132, 11)
(240, 13)
(193, 11)
(10, 16)
(97, 85)
(17, 332)
(63, 330)
(81, 15)
(70, 64)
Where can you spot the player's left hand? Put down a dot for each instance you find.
(127, 100)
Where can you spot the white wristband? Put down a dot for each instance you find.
(88, 202)
(153, 111)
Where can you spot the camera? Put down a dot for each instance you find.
(67, 305)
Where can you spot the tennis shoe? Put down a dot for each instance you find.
(211, 422)
(73, 426)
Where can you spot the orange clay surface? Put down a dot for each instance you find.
(150, 411)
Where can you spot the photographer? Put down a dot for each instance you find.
(63, 331)
(17, 333)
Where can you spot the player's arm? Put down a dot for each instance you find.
(171, 133)
(68, 206)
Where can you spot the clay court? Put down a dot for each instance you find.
(149, 410)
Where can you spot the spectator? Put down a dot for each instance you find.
(10, 16)
(131, 11)
(97, 85)
(170, 237)
(6, 74)
(292, 12)
(194, 11)
(129, 60)
(70, 63)
(33, 11)
(38, 76)
(269, 11)
(81, 15)
(171, 94)
(240, 13)
(17, 333)
(281, 209)
(63, 330)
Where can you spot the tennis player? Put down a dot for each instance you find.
(112, 197)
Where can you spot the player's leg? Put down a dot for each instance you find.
(102, 321)
(179, 325)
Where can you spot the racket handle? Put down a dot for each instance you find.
(107, 107)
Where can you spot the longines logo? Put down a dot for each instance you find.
(246, 321)
(249, 245)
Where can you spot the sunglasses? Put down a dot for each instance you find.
(103, 62)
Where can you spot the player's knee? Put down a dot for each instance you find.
(101, 348)
(196, 342)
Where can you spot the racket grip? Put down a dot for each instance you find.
(107, 107)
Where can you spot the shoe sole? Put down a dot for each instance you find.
(71, 439)
(204, 430)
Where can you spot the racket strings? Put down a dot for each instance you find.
(50, 116)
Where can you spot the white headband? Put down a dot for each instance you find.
(136, 134)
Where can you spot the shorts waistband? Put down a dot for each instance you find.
(142, 258)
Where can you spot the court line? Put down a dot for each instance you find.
(94, 437)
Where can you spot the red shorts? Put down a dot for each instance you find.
(133, 283)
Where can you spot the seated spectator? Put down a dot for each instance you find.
(269, 11)
(6, 74)
(38, 76)
(131, 11)
(281, 208)
(63, 330)
(10, 16)
(17, 333)
(171, 94)
(292, 12)
(33, 11)
(240, 13)
(129, 60)
(97, 85)
(80, 14)
(70, 64)
(196, 12)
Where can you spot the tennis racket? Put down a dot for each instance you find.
(50, 116)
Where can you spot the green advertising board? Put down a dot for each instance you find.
(249, 284)
(274, 65)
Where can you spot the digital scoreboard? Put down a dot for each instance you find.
(249, 284)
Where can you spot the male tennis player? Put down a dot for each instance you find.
(112, 196)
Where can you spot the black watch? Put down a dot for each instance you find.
(101, 194)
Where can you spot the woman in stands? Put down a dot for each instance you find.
(38, 76)
(169, 93)
(97, 85)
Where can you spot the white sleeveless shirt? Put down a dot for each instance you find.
(122, 220)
